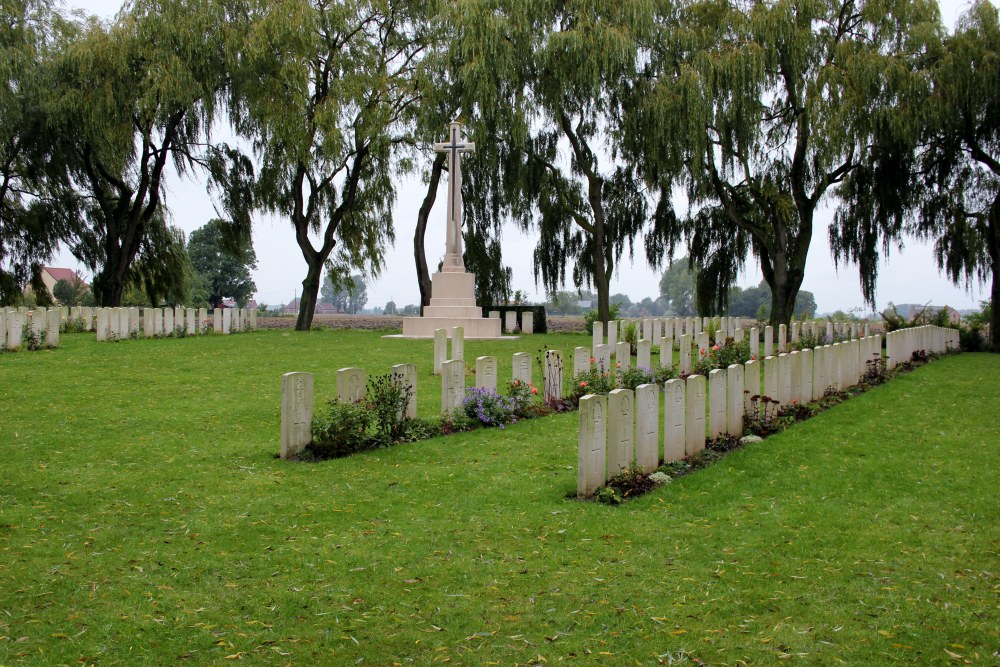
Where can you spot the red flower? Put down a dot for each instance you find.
(715, 348)
(702, 352)
(753, 357)
(534, 390)
(591, 360)
(618, 364)
(583, 384)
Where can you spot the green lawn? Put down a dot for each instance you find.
(145, 520)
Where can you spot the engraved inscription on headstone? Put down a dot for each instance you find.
(296, 412)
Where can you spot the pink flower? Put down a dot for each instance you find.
(534, 390)
(753, 357)
(715, 348)
(702, 352)
(618, 364)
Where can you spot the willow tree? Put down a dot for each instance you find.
(36, 208)
(767, 107)
(130, 98)
(559, 71)
(328, 128)
(948, 190)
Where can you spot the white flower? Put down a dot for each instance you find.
(750, 439)
(659, 478)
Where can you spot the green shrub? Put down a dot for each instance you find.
(488, 407)
(721, 356)
(343, 430)
(521, 393)
(387, 398)
(633, 376)
(630, 335)
(591, 316)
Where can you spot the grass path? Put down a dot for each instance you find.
(144, 520)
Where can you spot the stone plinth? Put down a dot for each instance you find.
(453, 304)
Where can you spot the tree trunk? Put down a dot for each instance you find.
(783, 275)
(310, 290)
(423, 275)
(602, 274)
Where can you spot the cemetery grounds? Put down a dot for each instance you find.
(144, 519)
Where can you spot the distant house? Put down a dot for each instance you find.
(322, 308)
(910, 311)
(51, 275)
(231, 303)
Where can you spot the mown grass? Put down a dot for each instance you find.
(145, 520)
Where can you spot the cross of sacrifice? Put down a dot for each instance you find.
(454, 147)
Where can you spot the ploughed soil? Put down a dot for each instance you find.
(556, 324)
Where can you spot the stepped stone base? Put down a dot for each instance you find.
(453, 304)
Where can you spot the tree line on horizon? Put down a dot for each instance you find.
(714, 125)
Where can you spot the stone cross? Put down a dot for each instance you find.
(454, 148)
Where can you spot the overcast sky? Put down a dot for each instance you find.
(910, 276)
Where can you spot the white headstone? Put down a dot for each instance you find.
(794, 332)
(613, 335)
(602, 359)
(754, 343)
(527, 323)
(440, 349)
(695, 417)
(795, 361)
(52, 330)
(643, 354)
(203, 320)
(647, 329)
(3, 329)
(494, 314)
(510, 321)
(553, 372)
(716, 402)
(751, 384)
(674, 434)
(486, 372)
(784, 379)
(452, 385)
(168, 321)
(15, 330)
(782, 338)
(734, 400)
(350, 385)
(581, 360)
(806, 381)
(522, 367)
(623, 355)
(147, 323)
(216, 320)
(771, 377)
(621, 430)
(406, 375)
(227, 320)
(253, 319)
(296, 412)
(133, 322)
(102, 325)
(666, 345)
(598, 336)
(457, 343)
(768, 342)
(592, 446)
(647, 426)
(191, 322)
(684, 361)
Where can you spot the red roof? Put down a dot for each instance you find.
(69, 275)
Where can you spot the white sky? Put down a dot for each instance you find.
(910, 276)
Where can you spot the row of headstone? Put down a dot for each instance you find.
(121, 323)
(622, 428)
(40, 324)
(297, 401)
(510, 321)
(727, 327)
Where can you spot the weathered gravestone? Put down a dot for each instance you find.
(674, 434)
(716, 402)
(216, 320)
(597, 337)
(527, 323)
(695, 417)
(666, 345)
(15, 330)
(521, 362)
(795, 361)
(806, 382)
(553, 371)
(592, 445)
(102, 324)
(734, 400)
(613, 335)
(754, 342)
(350, 385)
(621, 430)
(133, 322)
(227, 320)
(168, 321)
(147, 323)
(647, 329)
(768, 341)
(452, 385)
(494, 314)
(784, 379)
(203, 320)
(440, 349)
(406, 376)
(296, 412)
(647, 426)
(191, 322)
(486, 372)
(510, 321)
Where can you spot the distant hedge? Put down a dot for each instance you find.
(540, 325)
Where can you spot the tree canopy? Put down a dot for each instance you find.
(222, 269)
